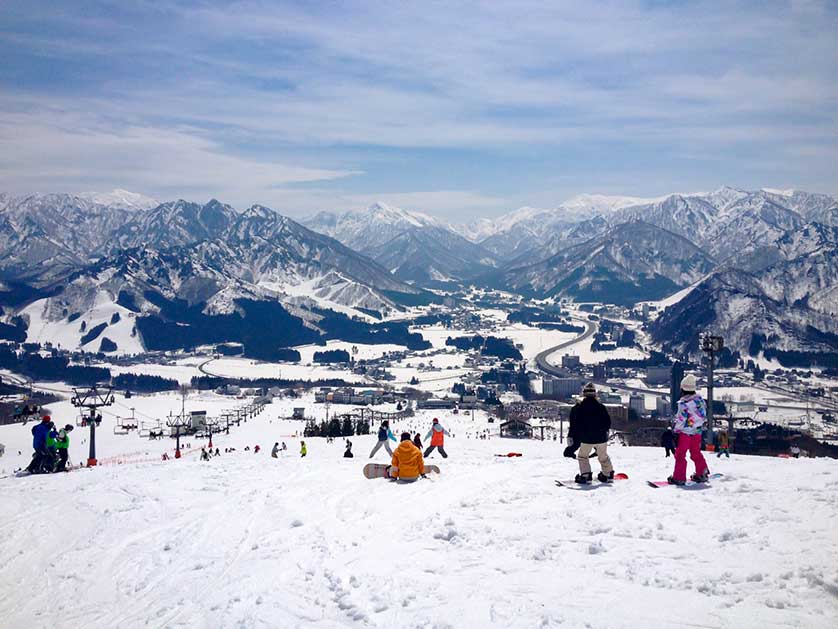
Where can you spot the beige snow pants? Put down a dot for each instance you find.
(601, 450)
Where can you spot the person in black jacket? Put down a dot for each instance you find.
(668, 441)
(589, 426)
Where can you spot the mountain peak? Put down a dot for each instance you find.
(121, 199)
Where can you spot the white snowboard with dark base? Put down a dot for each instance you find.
(380, 470)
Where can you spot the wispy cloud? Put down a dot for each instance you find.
(479, 103)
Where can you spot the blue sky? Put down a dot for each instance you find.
(459, 109)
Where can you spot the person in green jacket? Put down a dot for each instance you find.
(52, 443)
(62, 444)
(303, 449)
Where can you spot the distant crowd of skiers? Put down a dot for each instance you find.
(588, 435)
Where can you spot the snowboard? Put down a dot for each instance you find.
(657, 484)
(380, 470)
(510, 455)
(572, 484)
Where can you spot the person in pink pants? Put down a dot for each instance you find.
(689, 420)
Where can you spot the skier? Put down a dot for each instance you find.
(407, 464)
(589, 426)
(384, 435)
(348, 452)
(52, 447)
(62, 444)
(303, 449)
(668, 441)
(691, 415)
(39, 443)
(724, 445)
(437, 435)
(417, 440)
(275, 450)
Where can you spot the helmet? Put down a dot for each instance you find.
(436, 421)
(68, 427)
(688, 383)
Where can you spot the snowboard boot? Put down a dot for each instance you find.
(701, 478)
(674, 481)
(605, 478)
(584, 479)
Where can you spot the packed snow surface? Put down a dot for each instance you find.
(245, 540)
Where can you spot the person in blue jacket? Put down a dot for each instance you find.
(41, 459)
(384, 437)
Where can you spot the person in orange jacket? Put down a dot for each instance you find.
(437, 436)
(408, 464)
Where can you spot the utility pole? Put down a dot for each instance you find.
(177, 422)
(711, 345)
(92, 399)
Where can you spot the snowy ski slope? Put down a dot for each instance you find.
(249, 541)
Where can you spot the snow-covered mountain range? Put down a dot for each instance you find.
(774, 249)
(75, 256)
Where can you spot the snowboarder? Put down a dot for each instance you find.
(417, 440)
(384, 437)
(347, 454)
(690, 418)
(668, 441)
(303, 449)
(204, 454)
(437, 436)
(795, 450)
(217, 452)
(62, 444)
(256, 449)
(724, 445)
(41, 457)
(284, 447)
(589, 427)
(407, 464)
(275, 450)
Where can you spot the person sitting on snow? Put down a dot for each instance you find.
(437, 436)
(407, 464)
(589, 426)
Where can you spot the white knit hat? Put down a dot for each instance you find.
(688, 383)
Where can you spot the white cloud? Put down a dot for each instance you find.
(71, 152)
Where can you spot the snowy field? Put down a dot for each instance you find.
(245, 540)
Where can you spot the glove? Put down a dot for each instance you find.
(570, 451)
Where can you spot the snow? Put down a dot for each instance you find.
(246, 540)
(247, 368)
(121, 199)
(67, 335)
